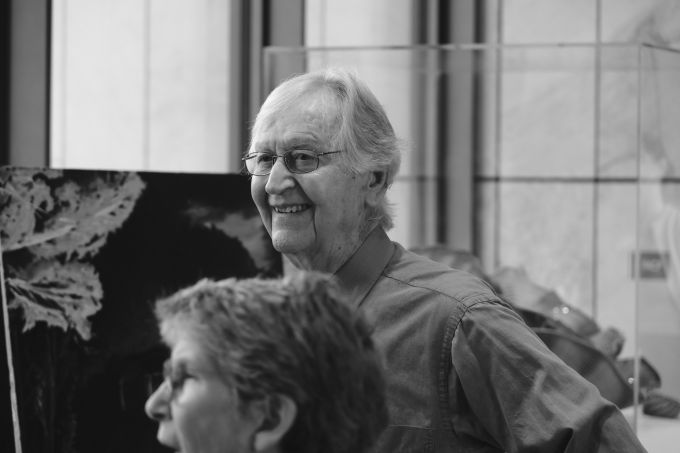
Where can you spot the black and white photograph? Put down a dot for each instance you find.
(340, 226)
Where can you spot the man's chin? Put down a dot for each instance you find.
(288, 245)
(287, 249)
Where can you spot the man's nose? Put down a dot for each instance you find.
(280, 178)
(157, 407)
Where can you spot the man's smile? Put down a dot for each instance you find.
(290, 209)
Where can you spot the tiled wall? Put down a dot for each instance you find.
(560, 189)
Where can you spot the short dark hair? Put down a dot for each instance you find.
(294, 336)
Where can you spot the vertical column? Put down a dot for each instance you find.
(29, 82)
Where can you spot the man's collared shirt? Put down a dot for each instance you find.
(464, 372)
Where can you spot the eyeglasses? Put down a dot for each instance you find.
(296, 161)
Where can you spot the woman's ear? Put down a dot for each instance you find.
(377, 186)
(280, 417)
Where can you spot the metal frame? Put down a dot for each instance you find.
(451, 220)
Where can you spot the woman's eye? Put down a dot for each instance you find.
(176, 376)
(177, 380)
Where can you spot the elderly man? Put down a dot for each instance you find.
(464, 372)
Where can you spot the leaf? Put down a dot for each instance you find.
(60, 295)
(24, 194)
(87, 213)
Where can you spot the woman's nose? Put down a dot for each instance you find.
(157, 406)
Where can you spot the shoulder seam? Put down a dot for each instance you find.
(459, 298)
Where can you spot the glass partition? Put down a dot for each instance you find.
(657, 266)
(557, 165)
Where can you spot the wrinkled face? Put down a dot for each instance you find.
(195, 410)
(316, 219)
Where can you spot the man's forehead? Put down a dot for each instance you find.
(302, 119)
(311, 106)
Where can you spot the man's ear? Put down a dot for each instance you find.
(377, 186)
(280, 417)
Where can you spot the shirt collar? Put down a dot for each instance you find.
(359, 273)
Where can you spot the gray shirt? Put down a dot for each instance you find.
(464, 372)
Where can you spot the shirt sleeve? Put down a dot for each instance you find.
(506, 388)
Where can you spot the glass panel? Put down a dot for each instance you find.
(659, 244)
(650, 21)
(547, 112)
(553, 21)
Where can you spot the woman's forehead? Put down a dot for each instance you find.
(187, 350)
(180, 330)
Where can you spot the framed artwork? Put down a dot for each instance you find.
(85, 255)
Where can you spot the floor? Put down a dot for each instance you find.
(658, 435)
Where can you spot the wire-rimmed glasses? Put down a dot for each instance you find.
(296, 161)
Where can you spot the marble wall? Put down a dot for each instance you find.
(140, 85)
(586, 161)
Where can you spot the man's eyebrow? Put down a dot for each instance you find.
(262, 148)
(289, 142)
(301, 145)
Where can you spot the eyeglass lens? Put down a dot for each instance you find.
(297, 161)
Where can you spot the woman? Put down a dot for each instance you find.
(267, 366)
